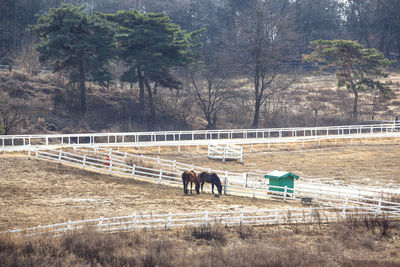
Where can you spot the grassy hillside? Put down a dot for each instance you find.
(49, 104)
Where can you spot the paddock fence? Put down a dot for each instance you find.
(243, 179)
(114, 166)
(202, 137)
(134, 222)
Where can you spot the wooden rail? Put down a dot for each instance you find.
(202, 137)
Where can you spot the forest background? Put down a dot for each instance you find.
(248, 72)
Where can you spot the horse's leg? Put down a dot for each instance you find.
(184, 187)
(197, 183)
(212, 188)
(191, 185)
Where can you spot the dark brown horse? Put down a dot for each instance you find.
(210, 178)
(190, 177)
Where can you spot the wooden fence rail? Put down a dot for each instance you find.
(202, 137)
(228, 218)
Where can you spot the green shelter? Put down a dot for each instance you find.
(282, 179)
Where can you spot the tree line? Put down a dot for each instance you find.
(372, 23)
(262, 41)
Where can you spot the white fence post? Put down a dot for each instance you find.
(241, 218)
(206, 217)
(37, 152)
(133, 171)
(277, 216)
(345, 207)
(169, 220)
(159, 177)
(99, 226)
(284, 197)
(69, 227)
(110, 166)
(84, 161)
(226, 183)
(59, 157)
(378, 208)
(134, 222)
(244, 179)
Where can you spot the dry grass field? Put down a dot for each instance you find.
(38, 192)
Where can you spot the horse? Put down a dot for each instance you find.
(190, 177)
(210, 178)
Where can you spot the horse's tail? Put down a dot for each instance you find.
(184, 176)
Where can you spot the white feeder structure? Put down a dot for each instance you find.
(225, 152)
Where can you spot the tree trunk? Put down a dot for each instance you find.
(355, 112)
(256, 117)
(141, 94)
(150, 99)
(82, 86)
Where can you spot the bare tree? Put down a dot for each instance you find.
(10, 114)
(212, 91)
(265, 40)
(27, 58)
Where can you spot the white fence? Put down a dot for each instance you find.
(202, 137)
(244, 179)
(229, 218)
(225, 152)
(112, 165)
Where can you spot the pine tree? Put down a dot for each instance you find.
(151, 45)
(73, 41)
(357, 68)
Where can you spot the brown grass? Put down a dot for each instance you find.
(330, 245)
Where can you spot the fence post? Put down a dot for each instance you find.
(59, 158)
(159, 177)
(100, 224)
(378, 208)
(133, 171)
(254, 188)
(134, 222)
(206, 217)
(311, 214)
(69, 225)
(284, 197)
(37, 152)
(169, 220)
(241, 218)
(345, 207)
(29, 152)
(174, 164)
(110, 167)
(226, 183)
(244, 179)
(277, 216)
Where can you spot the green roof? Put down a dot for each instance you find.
(280, 175)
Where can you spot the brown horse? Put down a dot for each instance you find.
(190, 177)
(211, 178)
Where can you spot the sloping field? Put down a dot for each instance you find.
(36, 192)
